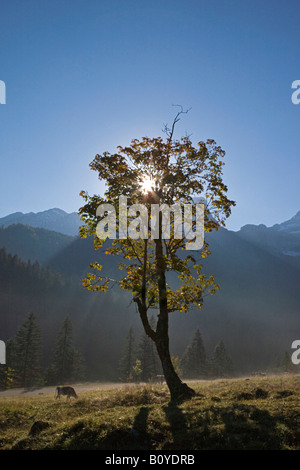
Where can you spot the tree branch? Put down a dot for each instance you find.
(169, 131)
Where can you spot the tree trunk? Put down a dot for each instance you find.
(178, 389)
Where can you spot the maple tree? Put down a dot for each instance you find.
(159, 171)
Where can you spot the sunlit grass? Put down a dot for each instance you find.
(254, 413)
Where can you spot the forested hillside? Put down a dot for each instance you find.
(255, 312)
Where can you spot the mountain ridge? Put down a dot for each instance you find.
(58, 220)
(54, 219)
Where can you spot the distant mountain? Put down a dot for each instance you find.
(291, 226)
(52, 219)
(282, 240)
(68, 255)
(34, 244)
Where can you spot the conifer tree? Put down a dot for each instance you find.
(79, 366)
(128, 358)
(220, 363)
(148, 356)
(286, 364)
(11, 354)
(28, 352)
(62, 367)
(193, 362)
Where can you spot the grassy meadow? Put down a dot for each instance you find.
(244, 413)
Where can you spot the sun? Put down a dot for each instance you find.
(147, 184)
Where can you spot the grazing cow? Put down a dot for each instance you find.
(69, 391)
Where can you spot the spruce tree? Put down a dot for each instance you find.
(220, 363)
(79, 366)
(62, 367)
(11, 353)
(286, 365)
(148, 356)
(128, 358)
(28, 353)
(193, 362)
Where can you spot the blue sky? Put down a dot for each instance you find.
(83, 77)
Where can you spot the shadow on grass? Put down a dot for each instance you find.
(178, 426)
(84, 436)
(217, 428)
(248, 427)
(196, 427)
(140, 438)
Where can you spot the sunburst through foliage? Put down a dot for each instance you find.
(147, 184)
